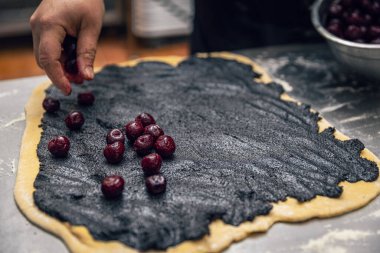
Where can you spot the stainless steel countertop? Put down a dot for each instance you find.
(349, 103)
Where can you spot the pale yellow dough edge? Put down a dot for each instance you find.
(79, 240)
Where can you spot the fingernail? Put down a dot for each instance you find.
(89, 72)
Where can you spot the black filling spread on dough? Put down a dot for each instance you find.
(239, 149)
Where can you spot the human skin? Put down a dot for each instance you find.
(51, 22)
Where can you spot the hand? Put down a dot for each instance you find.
(52, 21)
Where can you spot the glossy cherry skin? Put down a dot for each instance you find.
(374, 31)
(375, 41)
(335, 29)
(348, 3)
(165, 146)
(155, 184)
(365, 4)
(112, 186)
(356, 18)
(335, 10)
(375, 8)
(114, 152)
(146, 119)
(335, 21)
(115, 135)
(143, 144)
(353, 32)
(71, 66)
(133, 130)
(51, 105)
(59, 146)
(367, 19)
(154, 130)
(69, 46)
(70, 53)
(86, 98)
(74, 120)
(151, 164)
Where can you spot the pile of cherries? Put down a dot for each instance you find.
(355, 20)
(143, 132)
(145, 135)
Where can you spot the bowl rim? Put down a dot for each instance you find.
(319, 27)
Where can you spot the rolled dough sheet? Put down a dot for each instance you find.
(79, 240)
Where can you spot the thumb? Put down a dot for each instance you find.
(86, 51)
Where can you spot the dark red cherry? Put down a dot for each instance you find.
(155, 184)
(365, 4)
(359, 41)
(74, 120)
(59, 146)
(51, 105)
(143, 144)
(364, 31)
(86, 98)
(367, 19)
(165, 146)
(71, 66)
(335, 21)
(356, 18)
(353, 32)
(375, 8)
(115, 135)
(154, 130)
(112, 186)
(375, 41)
(335, 29)
(345, 15)
(145, 119)
(374, 31)
(348, 3)
(335, 10)
(69, 46)
(151, 164)
(133, 130)
(114, 152)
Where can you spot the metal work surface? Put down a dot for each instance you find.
(312, 76)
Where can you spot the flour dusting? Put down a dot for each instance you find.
(13, 166)
(375, 214)
(20, 118)
(273, 65)
(308, 63)
(329, 243)
(333, 107)
(8, 93)
(356, 118)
